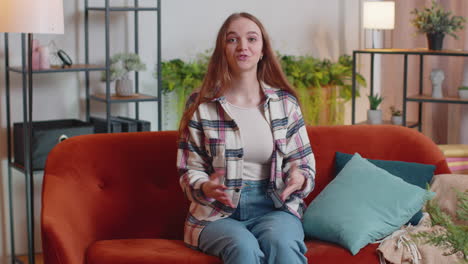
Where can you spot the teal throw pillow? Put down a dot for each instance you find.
(363, 204)
(411, 172)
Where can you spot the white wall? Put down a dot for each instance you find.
(324, 29)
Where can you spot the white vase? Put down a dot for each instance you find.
(463, 94)
(374, 117)
(397, 120)
(124, 87)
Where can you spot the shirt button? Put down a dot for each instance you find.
(237, 190)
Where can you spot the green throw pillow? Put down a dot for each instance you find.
(363, 204)
(414, 173)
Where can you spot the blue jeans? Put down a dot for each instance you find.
(256, 232)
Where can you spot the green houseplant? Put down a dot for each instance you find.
(180, 79)
(435, 22)
(374, 115)
(121, 64)
(397, 118)
(323, 86)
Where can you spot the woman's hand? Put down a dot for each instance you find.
(295, 182)
(213, 189)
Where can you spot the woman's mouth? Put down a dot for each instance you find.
(242, 57)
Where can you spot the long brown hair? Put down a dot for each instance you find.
(218, 77)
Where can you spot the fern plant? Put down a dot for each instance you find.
(453, 238)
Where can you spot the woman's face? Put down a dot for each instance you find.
(244, 46)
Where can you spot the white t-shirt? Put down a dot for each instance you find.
(257, 141)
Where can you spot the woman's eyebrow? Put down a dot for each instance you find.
(250, 32)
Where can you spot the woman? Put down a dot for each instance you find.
(244, 158)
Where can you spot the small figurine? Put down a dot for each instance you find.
(437, 77)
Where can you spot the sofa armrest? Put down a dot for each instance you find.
(110, 186)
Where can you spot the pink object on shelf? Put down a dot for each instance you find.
(36, 56)
(457, 159)
(44, 57)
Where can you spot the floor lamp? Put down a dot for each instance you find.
(31, 17)
(378, 15)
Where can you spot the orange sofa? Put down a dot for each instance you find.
(115, 198)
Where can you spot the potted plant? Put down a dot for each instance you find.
(323, 86)
(463, 92)
(374, 115)
(121, 65)
(179, 79)
(397, 118)
(435, 22)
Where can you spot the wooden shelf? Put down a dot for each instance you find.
(388, 122)
(124, 99)
(428, 98)
(20, 167)
(124, 8)
(38, 258)
(58, 68)
(417, 51)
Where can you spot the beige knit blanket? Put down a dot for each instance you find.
(400, 247)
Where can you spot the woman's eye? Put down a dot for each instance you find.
(232, 40)
(252, 39)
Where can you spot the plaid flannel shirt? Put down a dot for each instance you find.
(212, 141)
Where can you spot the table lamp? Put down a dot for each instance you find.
(378, 15)
(31, 17)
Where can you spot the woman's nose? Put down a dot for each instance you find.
(242, 44)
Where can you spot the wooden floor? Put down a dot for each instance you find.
(38, 260)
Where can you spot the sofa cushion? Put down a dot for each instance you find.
(362, 204)
(411, 172)
(145, 251)
(159, 251)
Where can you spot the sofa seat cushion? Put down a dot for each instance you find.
(158, 251)
(145, 251)
(329, 253)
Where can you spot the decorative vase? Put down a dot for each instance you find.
(397, 120)
(124, 87)
(435, 41)
(374, 117)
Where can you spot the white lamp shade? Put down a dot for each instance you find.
(379, 15)
(31, 16)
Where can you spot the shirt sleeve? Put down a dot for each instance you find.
(299, 151)
(193, 161)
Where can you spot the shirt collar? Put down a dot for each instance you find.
(269, 92)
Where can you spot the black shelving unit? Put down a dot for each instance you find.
(420, 98)
(27, 168)
(106, 98)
